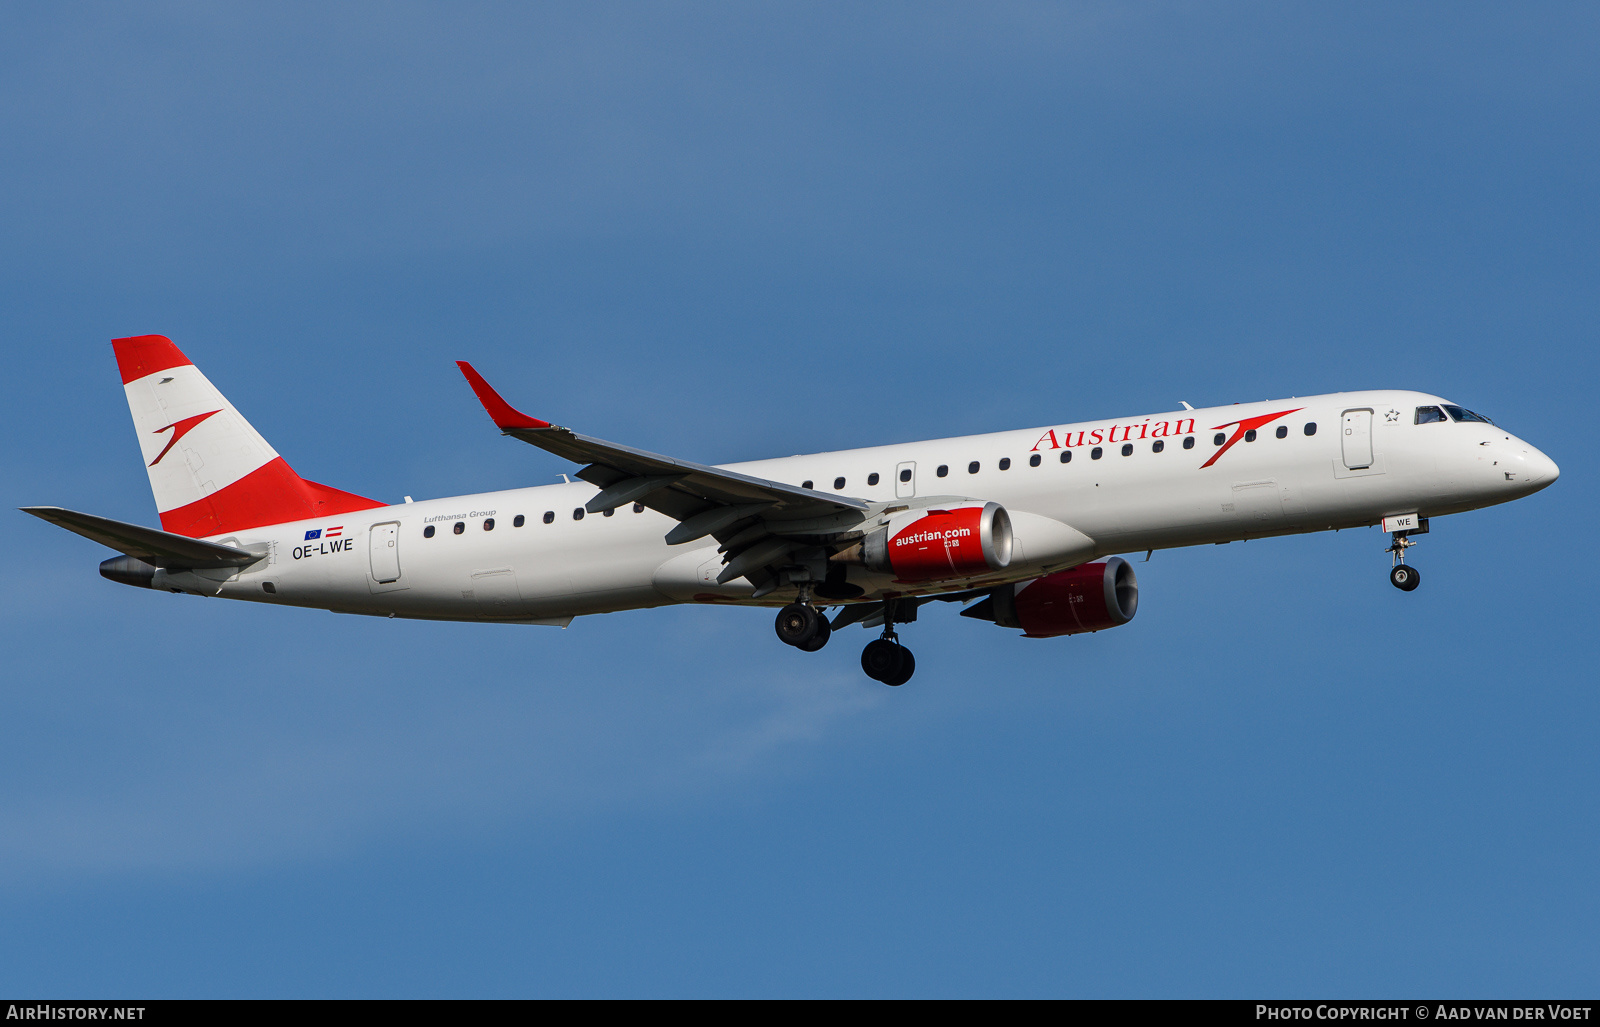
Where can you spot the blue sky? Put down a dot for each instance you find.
(733, 231)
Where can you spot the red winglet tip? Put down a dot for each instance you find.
(504, 415)
(141, 355)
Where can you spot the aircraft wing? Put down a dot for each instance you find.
(158, 548)
(705, 500)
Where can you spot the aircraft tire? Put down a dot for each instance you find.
(908, 667)
(797, 624)
(1405, 577)
(886, 661)
(819, 638)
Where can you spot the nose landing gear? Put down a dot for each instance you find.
(1403, 576)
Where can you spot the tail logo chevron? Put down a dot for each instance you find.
(179, 429)
(1249, 424)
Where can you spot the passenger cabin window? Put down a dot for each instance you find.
(1250, 436)
(611, 511)
(1127, 449)
(1033, 461)
(972, 468)
(943, 470)
(1005, 463)
(549, 516)
(806, 484)
(1218, 439)
(518, 521)
(638, 508)
(838, 483)
(427, 532)
(577, 513)
(1096, 453)
(872, 479)
(1463, 414)
(488, 524)
(1428, 415)
(1283, 431)
(1188, 442)
(905, 475)
(460, 527)
(1311, 427)
(1158, 445)
(1066, 456)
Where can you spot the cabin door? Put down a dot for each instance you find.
(1356, 435)
(384, 547)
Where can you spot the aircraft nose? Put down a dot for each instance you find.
(1541, 469)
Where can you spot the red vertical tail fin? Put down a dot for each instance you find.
(210, 471)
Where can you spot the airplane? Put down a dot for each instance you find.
(1023, 527)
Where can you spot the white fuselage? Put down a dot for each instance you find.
(548, 571)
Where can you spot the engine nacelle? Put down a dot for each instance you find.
(941, 545)
(129, 570)
(1089, 597)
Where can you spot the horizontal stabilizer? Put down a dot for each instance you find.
(157, 548)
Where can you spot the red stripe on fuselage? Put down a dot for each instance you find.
(270, 494)
(142, 355)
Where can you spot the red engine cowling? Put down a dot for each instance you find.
(940, 545)
(1090, 597)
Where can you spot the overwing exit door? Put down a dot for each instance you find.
(905, 480)
(1356, 436)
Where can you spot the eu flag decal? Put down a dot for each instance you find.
(313, 534)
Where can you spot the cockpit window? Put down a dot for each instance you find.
(1428, 415)
(1463, 414)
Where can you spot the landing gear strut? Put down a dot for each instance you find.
(885, 659)
(1401, 575)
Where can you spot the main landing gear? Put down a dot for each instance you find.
(1402, 575)
(803, 626)
(884, 659)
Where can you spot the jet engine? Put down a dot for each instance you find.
(1089, 597)
(938, 545)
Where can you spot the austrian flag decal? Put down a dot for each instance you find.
(316, 533)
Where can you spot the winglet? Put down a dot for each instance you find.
(504, 415)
